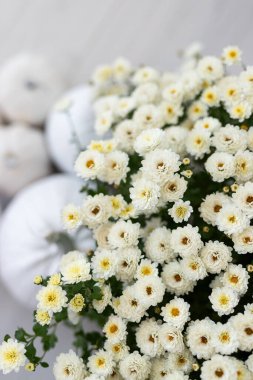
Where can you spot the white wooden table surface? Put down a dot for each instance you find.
(79, 34)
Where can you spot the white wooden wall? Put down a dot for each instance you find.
(79, 34)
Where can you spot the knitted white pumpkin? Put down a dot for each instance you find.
(33, 216)
(23, 157)
(29, 86)
(63, 128)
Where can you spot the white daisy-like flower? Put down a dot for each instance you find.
(101, 363)
(149, 140)
(243, 242)
(209, 124)
(135, 367)
(249, 362)
(146, 93)
(124, 234)
(243, 198)
(236, 277)
(241, 369)
(218, 367)
(212, 205)
(157, 245)
(174, 139)
(210, 96)
(171, 111)
(160, 369)
(100, 305)
(69, 367)
(127, 261)
(146, 268)
(244, 166)
(173, 189)
(216, 256)
(223, 300)
(175, 279)
(194, 267)
(173, 92)
(71, 217)
(176, 312)
(95, 210)
(144, 194)
(103, 263)
(198, 143)
(119, 350)
(181, 361)
(102, 74)
(240, 110)
(126, 134)
(76, 271)
(225, 339)
(145, 74)
(150, 290)
(230, 139)
(116, 167)
(130, 306)
(231, 55)
(243, 325)
(69, 258)
(115, 329)
(199, 337)
(77, 303)
(171, 338)
(197, 110)
(122, 68)
(210, 68)
(89, 164)
(52, 298)
(148, 116)
(12, 356)
(180, 211)
(186, 240)
(220, 166)
(147, 338)
(231, 219)
(250, 138)
(124, 105)
(43, 317)
(104, 122)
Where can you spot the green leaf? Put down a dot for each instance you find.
(40, 330)
(61, 316)
(49, 341)
(7, 337)
(20, 335)
(96, 293)
(31, 352)
(44, 364)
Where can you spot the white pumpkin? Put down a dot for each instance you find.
(29, 86)
(60, 126)
(29, 219)
(23, 157)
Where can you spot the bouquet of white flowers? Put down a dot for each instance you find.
(169, 198)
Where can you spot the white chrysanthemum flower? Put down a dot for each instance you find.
(175, 137)
(101, 363)
(160, 165)
(173, 189)
(229, 139)
(243, 325)
(102, 74)
(150, 226)
(231, 55)
(126, 134)
(197, 110)
(12, 356)
(89, 164)
(77, 303)
(173, 92)
(105, 103)
(236, 277)
(118, 350)
(69, 258)
(95, 210)
(218, 367)
(194, 267)
(124, 234)
(198, 143)
(231, 219)
(116, 167)
(71, 217)
(230, 90)
(145, 74)
(149, 140)
(243, 198)
(209, 124)
(100, 305)
(244, 166)
(146, 93)
(176, 312)
(69, 367)
(199, 337)
(180, 211)
(101, 235)
(122, 68)
(249, 362)
(124, 106)
(186, 240)
(220, 166)
(181, 361)
(127, 261)
(43, 317)
(104, 122)
(157, 245)
(241, 369)
(103, 146)
(240, 110)
(150, 290)
(175, 280)
(144, 194)
(250, 138)
(225, 339)
(103, 263)
(171, 338)
(146, 268)
(148, 116)
(52, 298)
(135, 367)
(147, 338)
(210, 96)
(216, 256)
(223, 300)
(171, 111)
(76, 271)
(115, 329)
(130, 306)
(210, 68)
(212, 205)
(243, 242)
(160, 369)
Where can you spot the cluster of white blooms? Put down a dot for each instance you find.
(171, 210)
